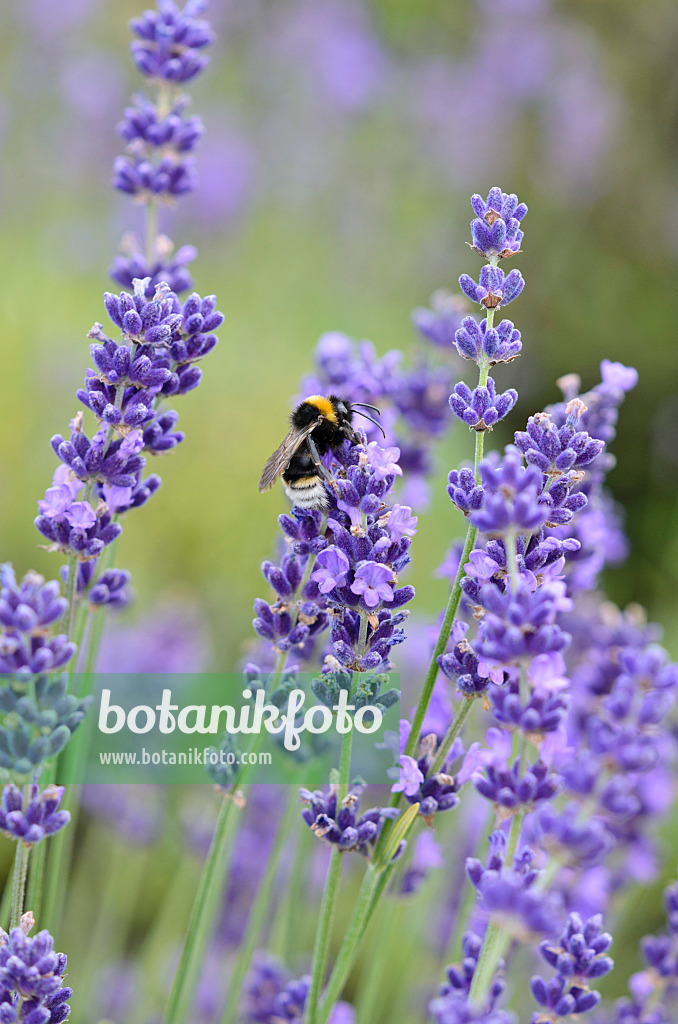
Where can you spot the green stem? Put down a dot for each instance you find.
(497, 938)
(462, 915)
(71, 590)
(451, 735)
(362, 637)
(443, 638)
(378, 977)
(256, 918)
(455, 594)
(151, 232)
(58, 864)
(35, 878)
(23, 852)
(321, 946)
(362, 912)
(514, 836)
(205, 908)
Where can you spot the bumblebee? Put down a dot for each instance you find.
(318, 425)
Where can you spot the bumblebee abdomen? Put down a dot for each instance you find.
(306, 491)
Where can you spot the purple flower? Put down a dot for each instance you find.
(521, 624)
(578, 958)
(38, 818)
(496, 230)
(110, 589)
(616, 375)
(342, 825)
(29, 605)
(170, 41)
(31, 978)
(556, 450)
(481, 343)
(507, 892)
(401, 523)
(80, 514)
(373, 583)
(27, 609)
(56, 501)
(482, 407)
(384, 461)
(272, 998)
(494, 288)
(333, 568)
(511, 497)
(410, 777)
(145, 126)
(167, 266)
(464, 491)
(463, 667)
(145, 180)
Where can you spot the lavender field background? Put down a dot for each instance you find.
(342, 142)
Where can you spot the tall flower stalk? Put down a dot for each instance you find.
(161, 340)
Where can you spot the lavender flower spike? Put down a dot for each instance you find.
(496, 230)
(40, 817)
(31, 978)
(481, 343)
(493, 289)
(579, 957)
(483, 407)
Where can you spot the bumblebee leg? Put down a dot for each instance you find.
(318, 463)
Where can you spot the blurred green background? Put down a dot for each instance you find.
(343, 141)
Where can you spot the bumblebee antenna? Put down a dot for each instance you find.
(372, 421)
(366, 405)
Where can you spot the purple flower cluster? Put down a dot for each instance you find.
(484, 344)
(556, 451)
(434, 792)
(162, 337)
(493, 288)
(166, 265)
(341, 824)
(38, 817)
(344, 572)
(653, 990)
(27, 611)
(452, 1005)
(271, 997)
(496, 229)
(292, 620)
(579, 957)
(509, 892)
(597, 529)
(481, 408)
(161, 136)
(618, 760)
(170, 41)
(31, 979)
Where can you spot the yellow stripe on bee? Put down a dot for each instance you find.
(304, 481)
(324, 406)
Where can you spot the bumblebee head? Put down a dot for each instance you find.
(343, 417)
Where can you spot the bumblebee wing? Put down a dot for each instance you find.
(277, 463)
